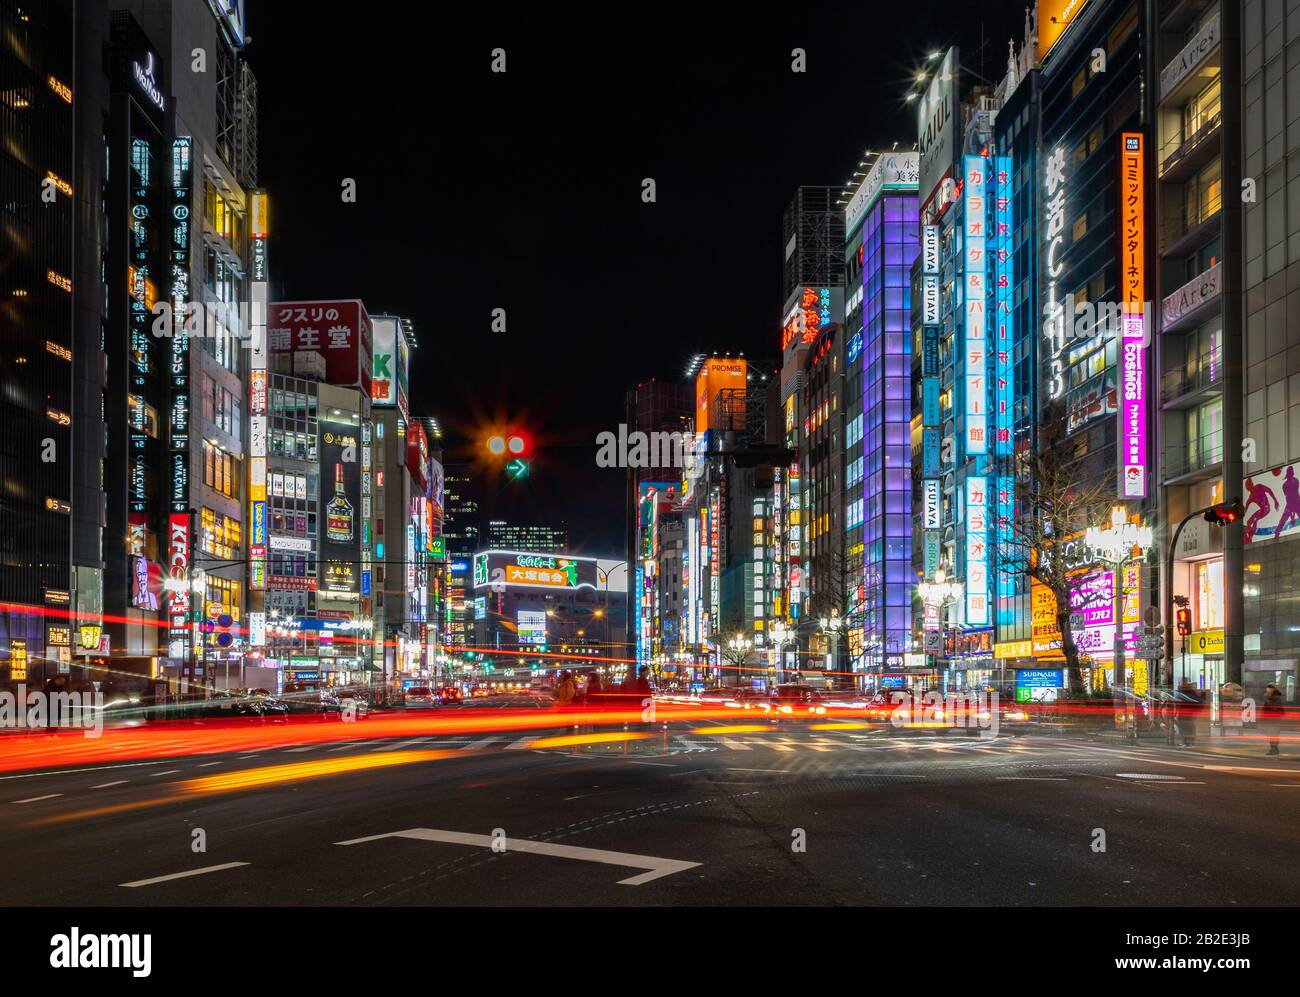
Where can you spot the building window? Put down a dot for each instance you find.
(221, 471)
(220, 535)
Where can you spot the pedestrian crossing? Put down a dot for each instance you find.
(696, 741)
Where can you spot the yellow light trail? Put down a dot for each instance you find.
(567, 740)
(258, 778)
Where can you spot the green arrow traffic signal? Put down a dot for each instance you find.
(517, 468)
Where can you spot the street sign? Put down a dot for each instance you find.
(1076, 621)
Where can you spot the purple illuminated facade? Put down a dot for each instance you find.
(880, 252)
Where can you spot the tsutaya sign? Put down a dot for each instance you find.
(1133, 397)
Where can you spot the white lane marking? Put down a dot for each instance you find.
(735, 745)
(1286, 785)
(205, 765)
(655, 867)
(305, 747)
(36, 799)
(732, 768)
(523, 742)
(482, 742)
(1032, 778)
(347, 744)
(96, 768)
(399, 744)
(155, 775)
(184, 875)
(105, 785)
(664, 765)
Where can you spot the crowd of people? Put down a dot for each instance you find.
(594, 693)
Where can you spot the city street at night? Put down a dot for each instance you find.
(468, 469)
(709, 809)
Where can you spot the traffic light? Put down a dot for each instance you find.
(1224, 513)
(1183, 616)
(517, 468)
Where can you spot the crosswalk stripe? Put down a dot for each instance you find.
(523, 742)
(735, 745)
(482, 742)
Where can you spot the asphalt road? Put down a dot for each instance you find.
(698, 814)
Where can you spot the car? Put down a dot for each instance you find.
(721, 697)
(353, 702)
(795, 701)
(449, 694)
(419, 696)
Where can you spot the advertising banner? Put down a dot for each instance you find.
(340, 331)
(340, 539)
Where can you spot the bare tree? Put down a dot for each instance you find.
(1061, 491)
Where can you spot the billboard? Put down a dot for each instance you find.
(718, 374)
(417, 454)
(389, 365)
(1133, 394)
(891, 171)
(1054, 16)
(521, 569)
(340, 483)
(1272, 507)
(936, 121)
(339, 331)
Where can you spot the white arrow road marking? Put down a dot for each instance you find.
(184, 875)
(657, 867)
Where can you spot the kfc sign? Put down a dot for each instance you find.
(340, 331)
(178, 560)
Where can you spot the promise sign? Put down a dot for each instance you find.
(1133, 398)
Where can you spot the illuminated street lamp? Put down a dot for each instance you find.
(834, 626)
(782, 634)
(1119, 544)
(940, 592)
(740, 646)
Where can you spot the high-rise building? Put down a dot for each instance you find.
(462, 528)
(812, 288)
(38, 348)
(534, 538)
(881, 242)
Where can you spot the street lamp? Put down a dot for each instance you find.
(740, 646)
(1119, 544)
(833, 625)
(940, 592)
(782, 634)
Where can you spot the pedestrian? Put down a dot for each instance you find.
(1188, 709)
(567, 691)
(1273, 713)
(595, 692)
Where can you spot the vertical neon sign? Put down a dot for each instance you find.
(1133, 404)
(976, 307)
(977, 574)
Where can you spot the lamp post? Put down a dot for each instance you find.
(833, 625)
(740, 646)
(782, 634)
(940, 592)
(1120, 544)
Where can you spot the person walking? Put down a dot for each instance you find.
(595, 692)
(566, 691)
(1273, 713)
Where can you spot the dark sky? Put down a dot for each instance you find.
(523, 191)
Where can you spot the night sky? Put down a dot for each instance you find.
(523, 191)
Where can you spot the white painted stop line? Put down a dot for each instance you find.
(656, 867)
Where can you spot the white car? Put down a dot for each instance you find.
(419, 695)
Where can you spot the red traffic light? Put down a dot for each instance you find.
(1224, 513)
(516, 444)
(1184, 621)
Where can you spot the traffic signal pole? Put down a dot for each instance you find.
(1168, 678)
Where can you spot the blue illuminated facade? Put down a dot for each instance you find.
(881, 245)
